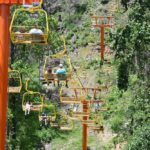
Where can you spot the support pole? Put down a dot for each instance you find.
(102, 49)
(84, 127)
(102, 26)
(4, 51)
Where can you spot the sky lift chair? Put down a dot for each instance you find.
(19, 32)
(50, 112)
(15, 81)
(35, 98)
(53, 61)
(64, 124)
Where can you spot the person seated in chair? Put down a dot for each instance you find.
(44, 118)
(28, 106)
(36, 34)
(35, 30)
(19, 34)
(61, 74)
(49, 75)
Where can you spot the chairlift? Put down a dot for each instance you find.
(50, 112)
(15, 81)
(70, 97)
(52, 63)
(97, 128)
(20, 31)
(35, 99)
(70, 112)
(64, 124)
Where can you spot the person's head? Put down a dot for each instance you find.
(49, 70)
(35, 26)
(43, 113)
(28, 102)
(61, 65)
(21, 29)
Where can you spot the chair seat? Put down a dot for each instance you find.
(26, 38)
(69, 100)
(14, 89)
(65, 128)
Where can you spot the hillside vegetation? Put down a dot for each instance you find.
(126, 72)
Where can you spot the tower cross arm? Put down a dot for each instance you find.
(103, 25)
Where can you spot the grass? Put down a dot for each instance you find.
(68, 141)
(73, 141)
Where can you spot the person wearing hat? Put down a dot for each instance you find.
(61, 70)
(61, 74)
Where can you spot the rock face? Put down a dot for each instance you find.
(54, 6)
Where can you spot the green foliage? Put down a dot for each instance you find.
(56, 42)
(123, 76)
(104, 1)
(131, 42)
(47, 134)
(140, 139)
(69, 35)
(94, 61)
(128, 115)
(80, 9)
(125, 3)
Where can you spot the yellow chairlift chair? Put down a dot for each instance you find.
(48, 70)
(50, 112)
(97, 117)
(52, 62)
(22, 32)
(64, 123)
(15, 81)
(35, 99)
(65, 77)
(70, 96)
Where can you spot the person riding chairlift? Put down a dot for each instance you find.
(19, 34)
(28, 106)
(35, 30)
(36, 34)
(61, 71)
(44, 118)
(49, 75)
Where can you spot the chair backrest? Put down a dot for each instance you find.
(61, 76)
(51, 76)
(37, 37)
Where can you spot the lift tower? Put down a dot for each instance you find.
(102, 22)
